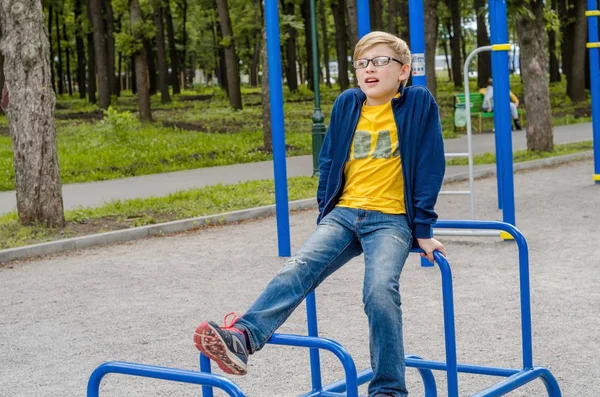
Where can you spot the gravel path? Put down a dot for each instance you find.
(63, 316)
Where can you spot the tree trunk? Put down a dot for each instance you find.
(152, 77)
(375, 17)
(483, 58)
(68, 65)
(567, 28)
(80, 48)
(1, 70)
(172, 50)
(448, 66)
(576, 77)
(254, 66)
(184, 55)
(431, 37)
(61, 76)
(231, 62)
(404, 27)
(291, 72)
(50, 21)
(325, 42)
(341, 42)
(352, 19)
(100, 52)
(266, 94)
(31, 113)
(161, 51)
(91, 69)
(454, 7)
(135, 14)
(133, 77)
(532, 42)
(554, 65)
(392, 23)
(305, 11)
(110, 48)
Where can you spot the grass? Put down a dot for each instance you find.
(199, 129)
(138, 212)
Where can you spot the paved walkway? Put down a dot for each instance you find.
(95, 194)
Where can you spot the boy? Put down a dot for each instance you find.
(381, 169)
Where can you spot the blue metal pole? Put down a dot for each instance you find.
(500, 48)
(593, 45)
(364, 23)
(315, 361)
(276, 101)
(416, 15)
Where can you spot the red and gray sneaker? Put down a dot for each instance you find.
(224, 345)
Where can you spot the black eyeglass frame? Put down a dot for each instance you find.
(372, 59)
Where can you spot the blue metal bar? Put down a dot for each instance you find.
(364, 22)
(326, 344)
(416, 15)
(207, 391)
(149, 371)
(315, 361)
(491, 13)
(526, 338)
(499, 35)
(595, 85)
(464, 368)
(449, 329)
(278, 132)
(521, 378)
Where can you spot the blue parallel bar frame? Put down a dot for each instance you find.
(278, 131)
(595, 85)
(315, 361)
(527, 349)
(150, 371)
(207, 391)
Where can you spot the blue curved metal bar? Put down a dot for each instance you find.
(426, 374)
(523, 274)
(521, 378)
(150, 371)
(325, 344)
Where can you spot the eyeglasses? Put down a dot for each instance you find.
(377, 62)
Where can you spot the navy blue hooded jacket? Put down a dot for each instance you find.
(421, 152)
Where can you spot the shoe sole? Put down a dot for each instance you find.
(210, 343)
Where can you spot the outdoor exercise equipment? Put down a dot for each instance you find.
(594, 45)
(348, 387)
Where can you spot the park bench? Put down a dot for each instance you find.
(476, 100)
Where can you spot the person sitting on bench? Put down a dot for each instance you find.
(488, 103)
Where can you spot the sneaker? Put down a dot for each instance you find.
(224, 345)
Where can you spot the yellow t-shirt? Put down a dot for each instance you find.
(373, 172)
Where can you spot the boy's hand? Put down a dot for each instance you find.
(429, 245)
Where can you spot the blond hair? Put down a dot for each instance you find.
(396, 44)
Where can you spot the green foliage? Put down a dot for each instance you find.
(125, 43)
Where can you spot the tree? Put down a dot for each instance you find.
(1, 68)
(454, 6)
(325, 42)
(172, 49)
(431, 36)
(305, 11)
(554, 65)
(483, 58)
(576, 76)
(61, 77)
(80, 49)
(375, 17)
(231, 63)
(161, 51)
(532, 41)
(135, 15)
(100, 51)
(114, 86)
(266, 92)
(352, 19)
(290, 46)
(30, 113)
(338, 7)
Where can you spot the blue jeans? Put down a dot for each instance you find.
(343, 234)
